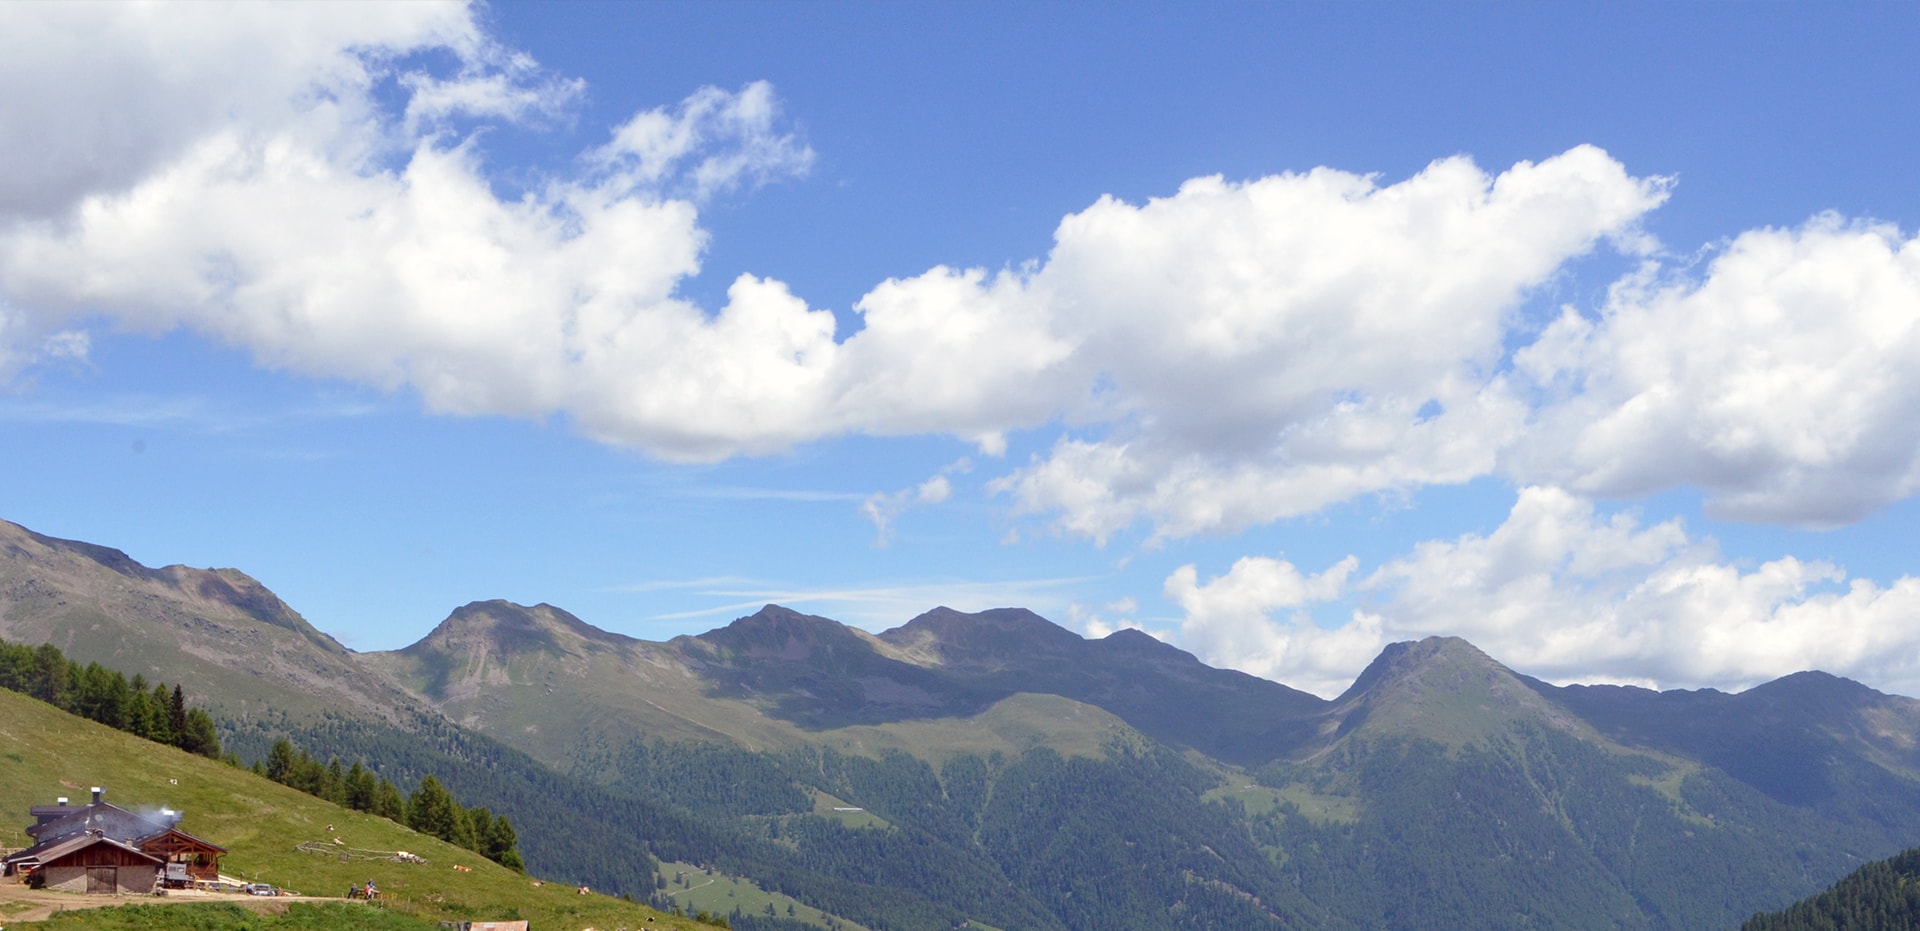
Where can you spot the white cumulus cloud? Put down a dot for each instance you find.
(309, 182)
(1565, 593)
(300, 218)
(1231, 621)
(1263, 349)
(1782, 381)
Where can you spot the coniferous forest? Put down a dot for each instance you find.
(157, 712)
(996, 769)
(160, 714)
(1881, 896)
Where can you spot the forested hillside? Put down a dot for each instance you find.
(1881, 896)
(998, 770)
(45, 752)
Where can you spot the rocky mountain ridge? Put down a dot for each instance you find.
(1441, 790)
(219, 632)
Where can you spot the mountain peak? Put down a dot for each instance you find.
(17, 538)
(776, 631)
(1443, 689)
(1414, 661)
(511, 629)
(997, 633)
(219, 632)
(1815, 688)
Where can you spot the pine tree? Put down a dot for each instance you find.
(430, 810)
(362, 788)
(388, 804)
(280, 761)
(116, 701)
(141, 717)
(177, 716)
(164, 730)
(51, 682)
(334, 788)
(502, 845)
(199, 736)
(480, 829)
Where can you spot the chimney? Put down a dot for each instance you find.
(97, 792)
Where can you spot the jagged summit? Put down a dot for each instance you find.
(225, 588)
(778, 632)
(19, 541)
(511, 629)
(996, 634)
(1414, 663)
(1129, 641)
(1443, 689)
(1813, 688)
(228, 639)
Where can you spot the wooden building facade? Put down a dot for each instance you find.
(96, 865)
(199, 859)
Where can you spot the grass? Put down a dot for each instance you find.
(1669, 784)
(1316, 807)
(1012, 726)
(694, 889)
(218, 916)
(45, 752)
(830, 807)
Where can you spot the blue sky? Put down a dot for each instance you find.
(1585, 332)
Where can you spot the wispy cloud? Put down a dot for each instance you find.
(746, 493)
(882, 508)
(665, 585)
(186, 414)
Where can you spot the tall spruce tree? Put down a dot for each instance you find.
(177, 715)
(388, 804)
(430, 810)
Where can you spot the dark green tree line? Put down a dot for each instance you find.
(431, 809)
(107, 696)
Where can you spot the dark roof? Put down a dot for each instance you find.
(105, 817)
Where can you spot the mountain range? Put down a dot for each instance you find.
(998, 769)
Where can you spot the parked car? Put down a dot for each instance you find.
(259, 889)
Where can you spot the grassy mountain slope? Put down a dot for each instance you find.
(1014, 773)
(1808, 739)
(232, 644)
(45, 753)
(539, 679)
(1441, 689)
(1158, 689)
(1476, 800)
(268, 915)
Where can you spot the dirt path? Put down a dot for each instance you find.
(21, 904)
(691, 888)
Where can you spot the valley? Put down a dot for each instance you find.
(997, 770)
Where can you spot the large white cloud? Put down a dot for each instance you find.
(1255, 619)
(303, 190)
(1267, 348)
(330, 233)
(1783, 381)
(1565, 593)
(308, 182)
(99, 96)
